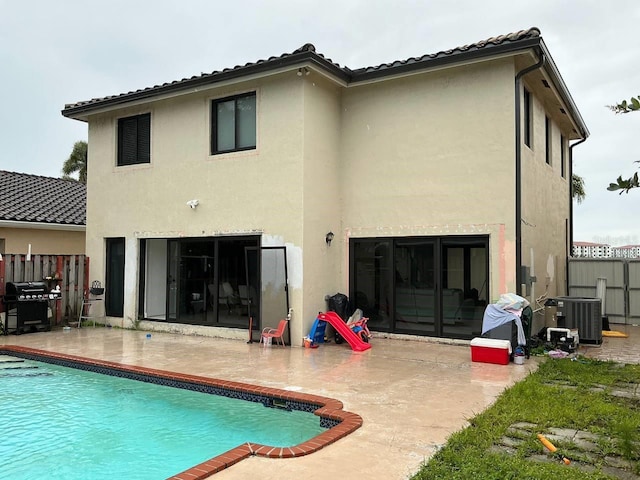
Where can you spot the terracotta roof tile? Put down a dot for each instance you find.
(32, 198)
(305, 53)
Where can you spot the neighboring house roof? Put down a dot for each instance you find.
(46, 200)
(503, 44)
(589, 244)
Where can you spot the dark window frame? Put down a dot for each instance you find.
(214, 124)
(547, 135)
(134, 151)
(563, 157)
(115, 255)
(527, 117)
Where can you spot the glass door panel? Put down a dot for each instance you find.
(465, 276)
(452, 288)
(233, 292)
(274, 292)
(196, 274)
(415, 286)
(372, 281)
(172, 280)
(250, 291)
(156, 276)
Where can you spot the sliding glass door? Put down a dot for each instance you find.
(434, 286)
(197, 281)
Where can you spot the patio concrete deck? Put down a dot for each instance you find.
(411, 394)
(623, 350)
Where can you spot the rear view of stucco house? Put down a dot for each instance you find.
(422, 188)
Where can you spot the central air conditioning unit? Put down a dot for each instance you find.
(584, 314)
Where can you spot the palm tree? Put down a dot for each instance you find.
(77, 162)
(577, 188)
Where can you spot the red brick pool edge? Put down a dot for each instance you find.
(327, 408)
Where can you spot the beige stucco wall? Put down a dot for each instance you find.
(253, 192)
(324, 265)
(43, 241)
(433, 154)
(545, 207)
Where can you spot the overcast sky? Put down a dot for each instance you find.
(64, 51)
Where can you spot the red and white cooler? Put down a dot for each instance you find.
(490, 350)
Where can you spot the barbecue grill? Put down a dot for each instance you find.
(26, 306)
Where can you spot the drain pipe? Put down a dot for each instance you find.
(519, 75)
(571, 147)
(570, 252)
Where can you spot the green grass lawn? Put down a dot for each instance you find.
(599, 399)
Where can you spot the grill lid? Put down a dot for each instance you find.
(26, 290)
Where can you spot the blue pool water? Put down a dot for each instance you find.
(63, 423)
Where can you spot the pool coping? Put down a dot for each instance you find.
(328, 408)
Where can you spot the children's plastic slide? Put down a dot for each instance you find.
(336, 322)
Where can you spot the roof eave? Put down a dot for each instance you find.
(43, 225)
(82, 111)
(446, 60)
(563, 91)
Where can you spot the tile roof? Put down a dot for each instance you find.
(532, 32)
(32, 198)
(307, 53)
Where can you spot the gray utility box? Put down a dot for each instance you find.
(585, 314)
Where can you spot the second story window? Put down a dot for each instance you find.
(134, 140)
(233, 124)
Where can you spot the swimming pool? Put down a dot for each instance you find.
(114, 409)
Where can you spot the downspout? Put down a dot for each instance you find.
(519, 75)
(570, 253)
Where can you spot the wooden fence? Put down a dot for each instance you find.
(71, 272)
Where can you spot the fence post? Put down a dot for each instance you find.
(86, 273)
(58, 274)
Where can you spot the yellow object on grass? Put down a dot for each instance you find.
(552, 448)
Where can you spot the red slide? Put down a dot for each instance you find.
(336, 322)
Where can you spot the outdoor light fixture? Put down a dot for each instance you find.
(328, 237)
(193, 203)
(303, 70)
